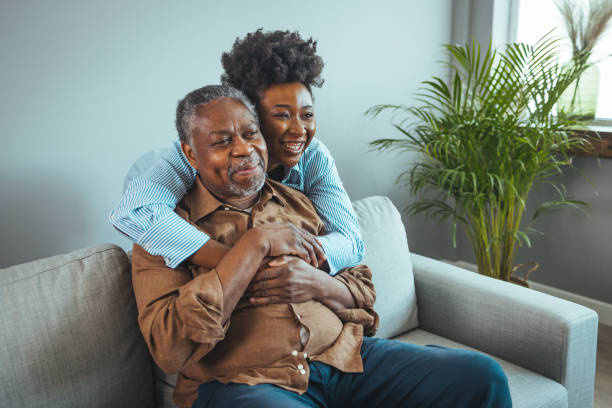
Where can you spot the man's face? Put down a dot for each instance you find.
(228, 150)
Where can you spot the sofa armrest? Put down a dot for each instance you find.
(547, 335)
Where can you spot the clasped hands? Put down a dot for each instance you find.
(289, 274)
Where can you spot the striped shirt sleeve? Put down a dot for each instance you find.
(146, 211)
(322, 185)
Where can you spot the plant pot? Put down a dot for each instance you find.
(580, 98)
(522, 280)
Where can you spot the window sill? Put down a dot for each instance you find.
(600, 136)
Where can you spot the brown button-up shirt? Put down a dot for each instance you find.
(180, 309)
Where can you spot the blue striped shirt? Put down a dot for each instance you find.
(146, 210)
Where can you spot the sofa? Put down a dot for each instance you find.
(69, 335)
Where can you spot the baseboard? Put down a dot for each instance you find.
(603, 309)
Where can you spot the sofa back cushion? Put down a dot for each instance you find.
(387, 255)
(69, 334)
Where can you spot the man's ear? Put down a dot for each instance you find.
(190, 154)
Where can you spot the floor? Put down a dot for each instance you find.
(603, 376)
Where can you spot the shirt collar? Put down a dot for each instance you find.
(201, 202)
(293, 175)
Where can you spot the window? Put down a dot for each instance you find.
(536, 18)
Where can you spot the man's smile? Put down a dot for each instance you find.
(247, 167)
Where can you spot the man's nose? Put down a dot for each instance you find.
(242, 147)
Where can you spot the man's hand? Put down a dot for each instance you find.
(287, 279)
(287, 239)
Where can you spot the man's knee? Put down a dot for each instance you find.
(484, 378)
(486, 370)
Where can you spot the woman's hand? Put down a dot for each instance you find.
(286, 279)
(287, 239)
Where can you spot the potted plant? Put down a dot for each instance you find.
(484, 140)
(585, 23)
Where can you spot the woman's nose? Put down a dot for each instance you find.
(297, 127)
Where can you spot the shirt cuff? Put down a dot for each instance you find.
(338, 251)
(200, 303)
(173, 238)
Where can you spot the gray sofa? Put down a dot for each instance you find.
(69, 335)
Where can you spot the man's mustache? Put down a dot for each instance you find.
(247, 163)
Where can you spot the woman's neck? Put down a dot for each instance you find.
(276, 173)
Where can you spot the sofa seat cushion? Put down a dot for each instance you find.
(528, 389)
(387, 254)
(69, 334)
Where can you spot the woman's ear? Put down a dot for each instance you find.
(190, 154)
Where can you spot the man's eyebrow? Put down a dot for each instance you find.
(220, 132)
(229, 132)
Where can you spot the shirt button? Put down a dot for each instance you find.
(167, 260)
(300, 366)
(294, 352)
(302, 371)
(147, 246)
(299, 317)
(226, 208)
(305, 355)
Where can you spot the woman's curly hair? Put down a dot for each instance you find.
(262, 59)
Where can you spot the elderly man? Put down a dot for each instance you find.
(266, 330)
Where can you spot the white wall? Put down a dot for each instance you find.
(88, 86)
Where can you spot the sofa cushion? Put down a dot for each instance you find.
(528, 389)
(387, 254)
(164, 388)
(69, 335)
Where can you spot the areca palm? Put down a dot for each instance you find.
(485, 138)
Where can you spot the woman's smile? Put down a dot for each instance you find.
(294, 147)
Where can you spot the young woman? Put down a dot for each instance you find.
(277, 71)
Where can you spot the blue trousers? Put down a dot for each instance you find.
(396, 374)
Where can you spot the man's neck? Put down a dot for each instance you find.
(243, 202)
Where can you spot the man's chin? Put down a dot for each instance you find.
(248, 187)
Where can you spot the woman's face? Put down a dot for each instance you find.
(287, 122)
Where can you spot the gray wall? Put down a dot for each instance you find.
(575, 251)
(575, 248)
(88, 86)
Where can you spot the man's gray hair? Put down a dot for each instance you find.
(187, 106)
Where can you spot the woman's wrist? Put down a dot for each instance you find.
(333, 293)
(258, 240)
(210, 254)
(322, 285)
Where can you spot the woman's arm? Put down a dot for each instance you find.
(146, 214)
(322, 185)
